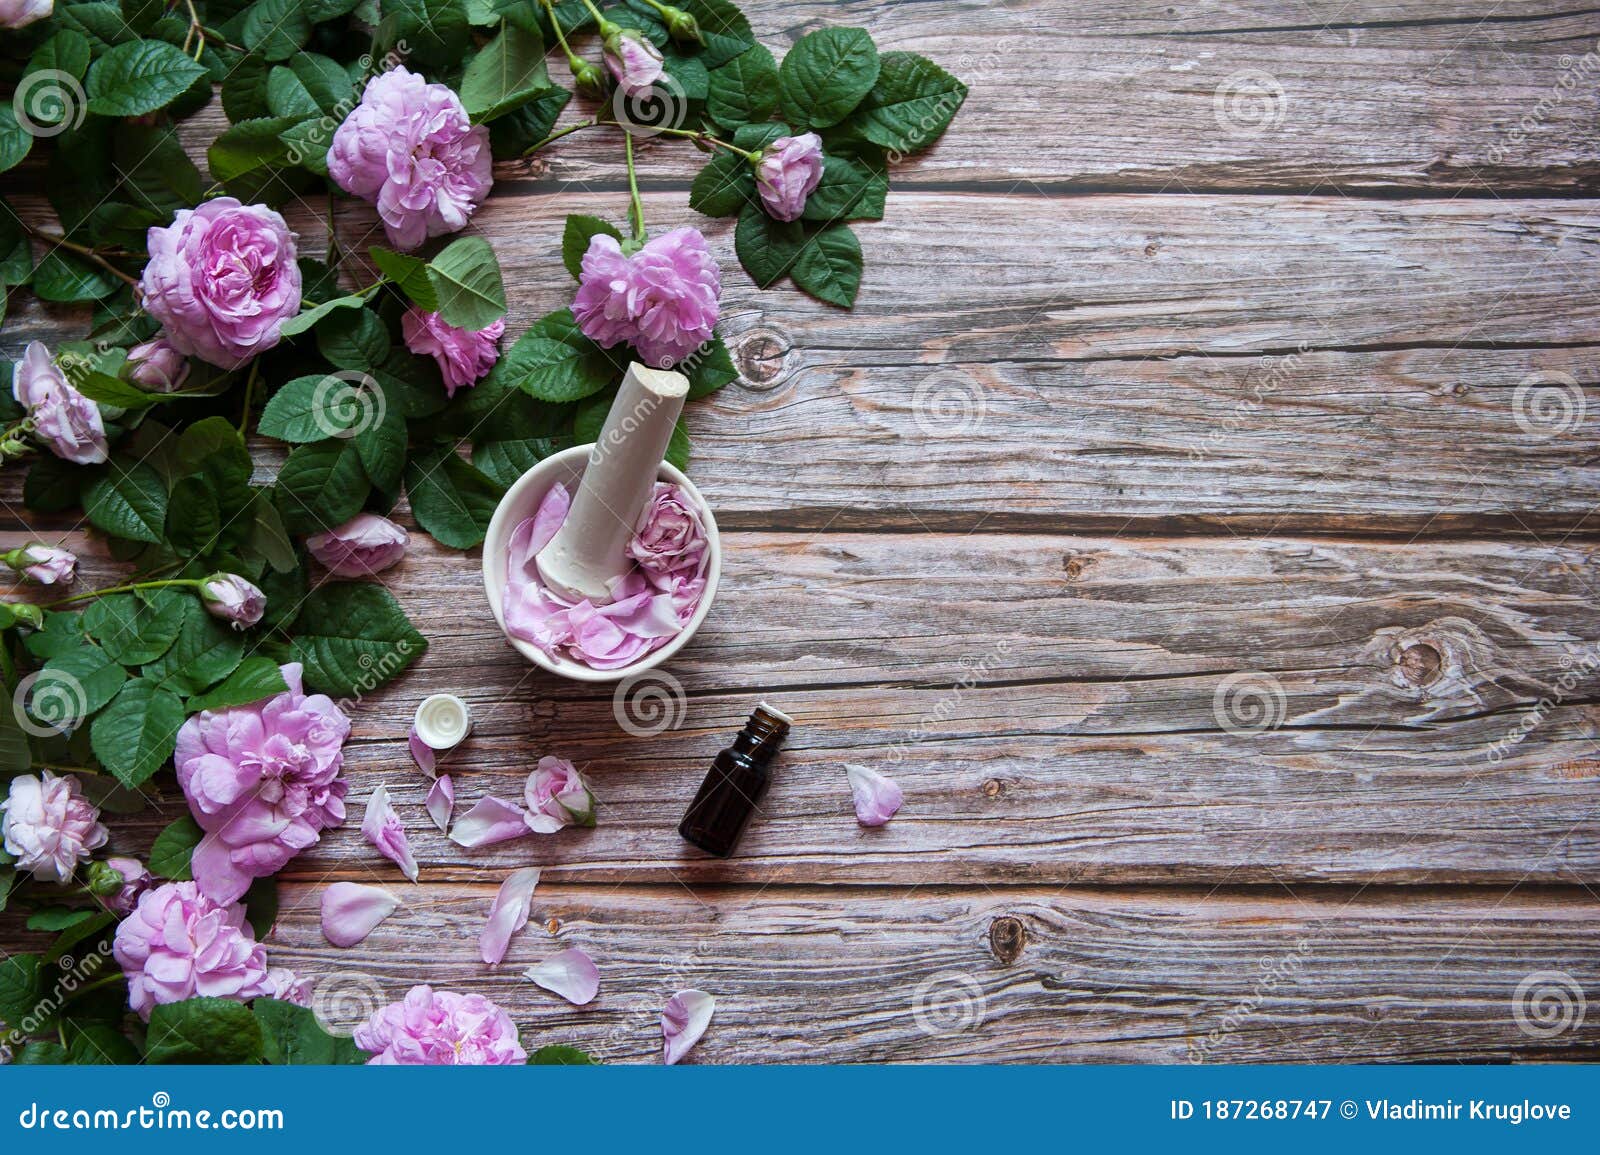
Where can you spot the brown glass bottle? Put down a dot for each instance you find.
(734, 785)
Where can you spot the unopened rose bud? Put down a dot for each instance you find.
(44, 564)
(635, 63)
(157, 366)
(231, 598)
(681, 26)
(25, 614)
(102, 879)
(590, 79)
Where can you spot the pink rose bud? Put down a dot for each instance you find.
(222, 280)
(44, 564)
(156, 366)
(463, 355)
(410, 149)
(361, 547)
(788, 173)
(135, 881)
(663, 300)
(231, 598)
(634, 62)
(178, 943)
(49, 827)
(557, 796)
(20, 13)
(65, 420)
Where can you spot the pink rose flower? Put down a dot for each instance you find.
(44, 564)
(633, 61)
(788, 173)
(65, 420)
(135, 881)
(410, 149)
(557, 796)
(662, 300)
(463, 355)
(229, 597)
(49, 827)
(156, 366)
(441, 1028)
(670, 545)
(290, 987)
(263, 782)
(362, 546)
(222, 280)
(178, 944)
(21, 13)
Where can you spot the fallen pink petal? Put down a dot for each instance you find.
(508, 913)
(683, 1020)
(350, 911)
(491, 820)
(382, 827)
(422, 753)
(877, 796)
(441, 801)
(570, 974)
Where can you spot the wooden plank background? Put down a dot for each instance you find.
(1144, 419)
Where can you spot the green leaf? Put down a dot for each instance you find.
(261, 906)
(15, 755)
(325, 80)
(316, 407)
(847, 191)
(554, 361)
(321, 485)
(576, 236)
(912, 103)
(410, 274)
(306, 318)
(353, 339)
(194, 518)
(560, 1055)
(134, 736)
(69, 279)
(503, 460)
(99, 1044)
(710, 369)
(306, 144)
(412, 384)
(826, 75)
(382, 448)
(744, 90)
(51, 486)
(139, 77)
(829, 266)
(724, 186)
(128, 500)
(136, 628)
(519, 130)
(723, 27)
(244, 89)
(507, 73)
(109, 390)
(41, 1054)
(174, 847)
(66, 52)
(206, 651)
(52, 918)
(15, 141)
(678, 448)
(248, 156)
(276, 29)
(73, 685)
(286, 96)
(352, 637)
(451, 498)
(255, 679)
(435, 32)
(203, 1030)
(293, 1037)
(466, 278)
(20, 987)
(766, 248)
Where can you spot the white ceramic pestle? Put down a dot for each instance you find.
(588, 554)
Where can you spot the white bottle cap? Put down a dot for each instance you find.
(443, 720)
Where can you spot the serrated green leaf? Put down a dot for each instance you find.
(766, 248)
(560, 1055)
(554, 361)
(466, 278)
(353, 339)
(276, 29)
(206, 651)
(723, 28)
(724, 186)
(710, 369)
(69, 279)
(321, 485)
(450, 498)
(174, 847)
(203, 1030)
(128, 500)
(410, 274)
(15, 141)
(139, 77)
(575, 238)
(320, 406)
(744, 90)
(134, 735)
(293, 1037)
(99, 1044)
(255, 679)
(829, 266)
(306, 318)
(244, 89)
(382, 448)
(505, 74)
(435, 32)
(52, 485)
(826, 74)
(194, 517)
(847, 191)
(352, 637)
(136, 628)
(73, 685)
(912, 103)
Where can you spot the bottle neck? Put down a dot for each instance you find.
(762, 735)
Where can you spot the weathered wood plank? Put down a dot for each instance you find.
(1023, 975)
(1155, 365)
(1056, 708)
(1157, 97)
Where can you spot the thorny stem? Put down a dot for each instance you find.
(633, 191)
(249, 390)
(83, 251)
(130, 587)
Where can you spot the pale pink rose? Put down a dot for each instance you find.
(49, 827)
(178, 944)
(441, 1028)
(263, 782)
(290, 987)
(222, 280)
(229, 597)
(441, 801)
(663, 300)
(44, 564)
(670, 543)
(633, 61)
(156, 366)
(135, 881)
(65, 420)
(21, 13)
(788, 173)
(410, 149)
(365, 545)
(463, 355)
(557, 796)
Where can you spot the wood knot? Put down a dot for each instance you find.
(1007, 937)
(762, 356)
(1151, 249)
(1073, 565)
(1420, 663)
(553, 925)
(992, 788)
